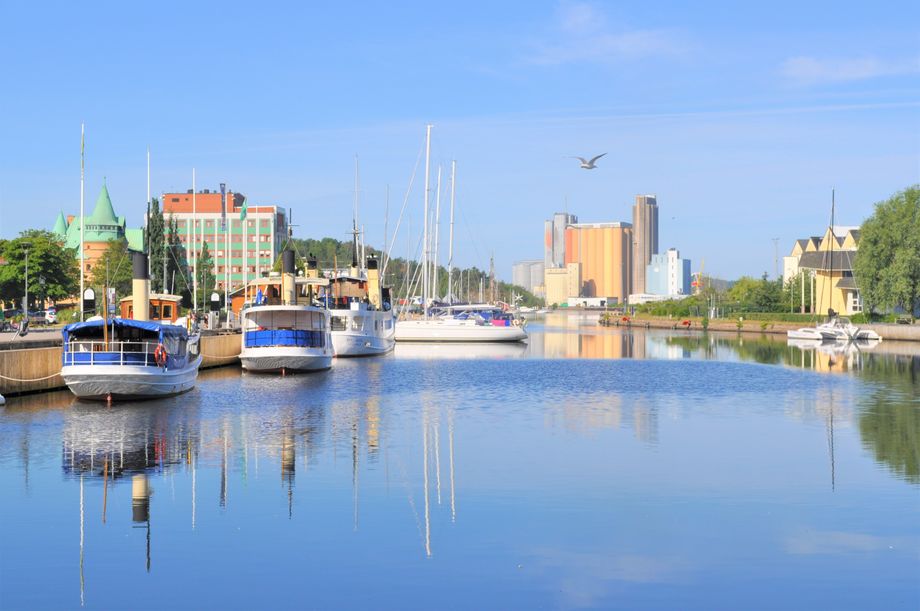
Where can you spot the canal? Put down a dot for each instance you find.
(591, 468)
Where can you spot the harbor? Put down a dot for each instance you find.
(589, 465)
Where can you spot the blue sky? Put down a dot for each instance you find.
(739, 117)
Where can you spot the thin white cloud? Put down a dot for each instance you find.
(811, 70)
(582, 34)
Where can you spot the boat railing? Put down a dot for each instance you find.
(91, 352)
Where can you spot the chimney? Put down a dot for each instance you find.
(140, 286)
(312, 269)
(288, 292)
(373, 283)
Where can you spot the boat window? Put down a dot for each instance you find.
(357, 323)
(318, 321)
(154, 311)
(167, 311)
(338, 323)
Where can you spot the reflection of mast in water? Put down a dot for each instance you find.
(82, 600)
(830, 441)
(354, 465)
(140, 506)
(191, 462)
(437, 455)
(223, 471)
(450, 437)
(288, 464)
(425, 468)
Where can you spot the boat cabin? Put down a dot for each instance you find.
(163, 308)
(123, 341)
(268, 291)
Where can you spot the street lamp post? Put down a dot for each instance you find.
(25, 300)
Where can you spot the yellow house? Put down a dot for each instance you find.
(832, 266)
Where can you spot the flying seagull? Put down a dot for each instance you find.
(589, 164)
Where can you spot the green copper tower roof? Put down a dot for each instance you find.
(60, 226)
(103, 213)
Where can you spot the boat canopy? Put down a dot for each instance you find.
(163, 330)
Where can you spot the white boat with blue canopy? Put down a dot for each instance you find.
(289, 336)
(121, 358)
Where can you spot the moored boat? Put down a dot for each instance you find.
(131, 358)
(362, 319)
(123, 359)
(283, 331)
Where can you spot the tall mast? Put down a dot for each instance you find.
(386, 229)
(425, 222)
(355, 253)
(149, 202)
(830, 282)
(193, 240)
(450, 243)
(82, 250)
(437, 233)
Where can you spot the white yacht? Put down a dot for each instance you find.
(283, 331)
(131, 358)
(362, 319)
(464, 323)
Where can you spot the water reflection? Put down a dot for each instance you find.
(489, 478)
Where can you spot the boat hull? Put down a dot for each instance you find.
(450, 330)
(360, 344)
(128, 382)
(812, 334)
(281, 358)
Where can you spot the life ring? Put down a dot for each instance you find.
(159, 355)
(516, 322)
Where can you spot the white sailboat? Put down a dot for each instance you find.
(835, 328)
(448, 327)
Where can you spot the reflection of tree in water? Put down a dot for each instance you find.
(759, 350)
(889, 420)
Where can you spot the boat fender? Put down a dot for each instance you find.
(159, 355)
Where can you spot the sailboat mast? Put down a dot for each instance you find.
(193, 242)
(425, 223)
(149, 249)
(437, 239)
(450, 240)
(82, 248)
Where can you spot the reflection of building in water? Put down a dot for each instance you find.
(602, 344)
(607, 411)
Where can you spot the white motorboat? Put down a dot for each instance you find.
(289, 336)
(812, 334)
(121, 358)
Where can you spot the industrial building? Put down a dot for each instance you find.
(645, 236)
(668, 274)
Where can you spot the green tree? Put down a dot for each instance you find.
(204, 265)
(887, 266)
(156, 243)
(113, 270)
(178, 278)
(48, 260)
(792, 292)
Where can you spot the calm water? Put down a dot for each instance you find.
(592, 468)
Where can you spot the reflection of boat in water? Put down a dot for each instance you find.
(835, 347)
(458, 350)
